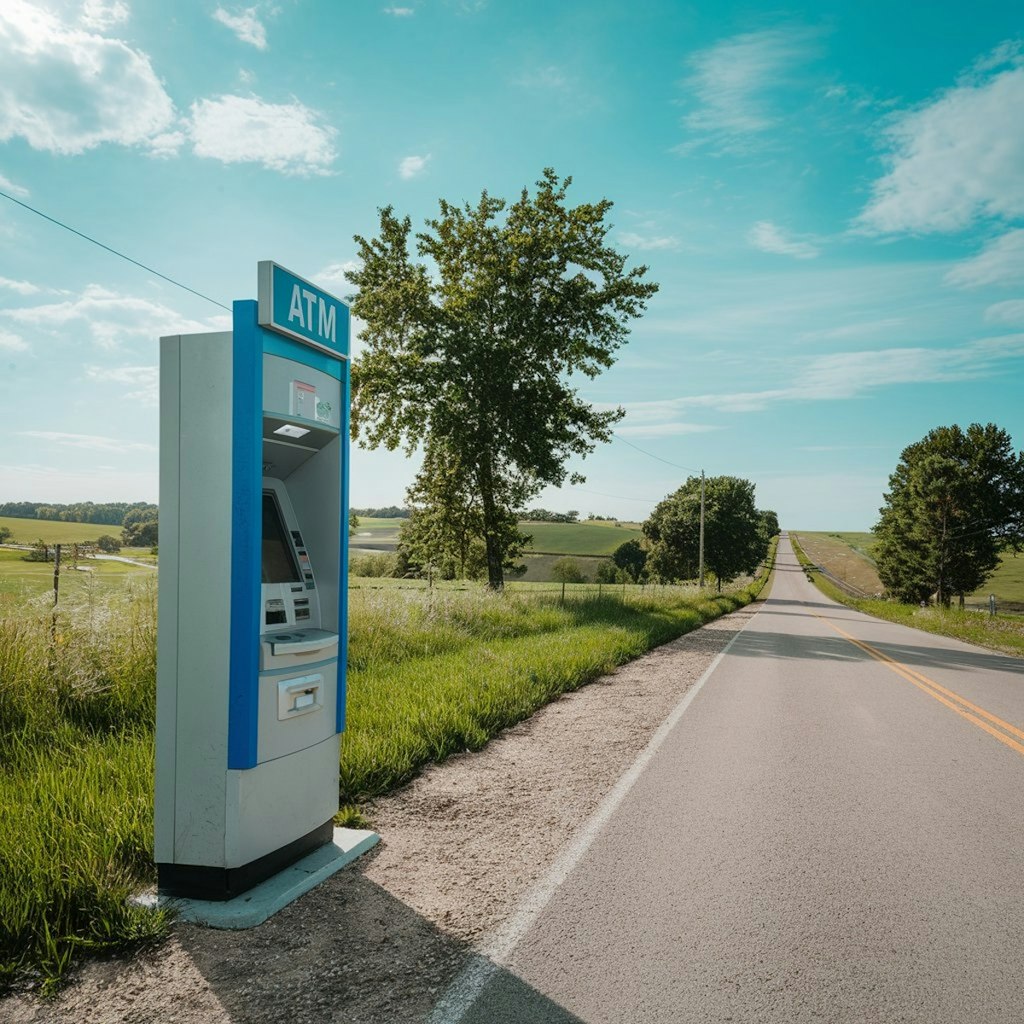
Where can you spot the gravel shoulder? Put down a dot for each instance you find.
(379, 942)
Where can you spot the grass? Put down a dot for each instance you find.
(76, 755)
(837, 553)
(430, 680)
(28, 531)
(1003, 633)
(432, 672)
(27, 587)
(590, 538)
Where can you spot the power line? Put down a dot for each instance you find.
(149, 270)
(675, 465)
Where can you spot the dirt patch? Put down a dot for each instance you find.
(379, 942)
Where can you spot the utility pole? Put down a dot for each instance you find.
(56, 594)
(701, 572)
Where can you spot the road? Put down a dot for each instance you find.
(832, 831)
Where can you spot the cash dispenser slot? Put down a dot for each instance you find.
(300, 696)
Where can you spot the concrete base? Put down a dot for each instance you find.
(266, 899)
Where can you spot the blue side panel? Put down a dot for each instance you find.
(346, 402)
(246, 533)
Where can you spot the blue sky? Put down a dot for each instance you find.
(831, 197)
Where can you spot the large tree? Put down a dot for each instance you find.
(955, 499)
(734, 531)
(631, 558)
(471, 349)
(445, 528)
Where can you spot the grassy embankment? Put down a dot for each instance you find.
(430, 674)
(1003, 633)
(850, 556)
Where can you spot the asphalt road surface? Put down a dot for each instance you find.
(833, 831)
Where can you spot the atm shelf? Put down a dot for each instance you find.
(300, 641)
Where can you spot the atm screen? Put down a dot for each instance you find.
(279, 565)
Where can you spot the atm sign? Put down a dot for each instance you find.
(291, 305)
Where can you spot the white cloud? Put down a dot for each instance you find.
(11, 342)
(663, 429)
(1011, 312)
(860, 329)
(648, 242)
(65, 89)
(109, 317)
(103, 14)
(246, 25)
(80, 481)
(15, 190)
(143, 381)
(411, 166)
(285, 137)
(769, 237)
(544, 78)
(846, 375)
(841, 447)
(166, 144)
(1000, 262)
(733, 82)
(400, 12)
(88, 442)
(21, 287)
(333, 275)
(957, 157)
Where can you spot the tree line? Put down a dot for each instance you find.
(737, 537)
(385, 512)
(110, 513)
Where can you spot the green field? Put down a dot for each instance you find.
(28, 531)
(589, 542)
(25, 586)
(375, 535)
(592, 538)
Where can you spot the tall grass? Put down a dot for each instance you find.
(427, 681)
(431, 673)
(76, 806)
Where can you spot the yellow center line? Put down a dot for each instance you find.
(939, 692)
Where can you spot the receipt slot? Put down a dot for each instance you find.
(252, 592)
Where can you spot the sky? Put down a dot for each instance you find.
(830, 196)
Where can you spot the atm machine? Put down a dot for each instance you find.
(252, 590)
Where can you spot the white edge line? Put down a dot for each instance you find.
(490, 955)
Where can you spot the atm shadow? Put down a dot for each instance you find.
(350, 952)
